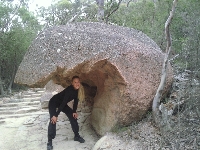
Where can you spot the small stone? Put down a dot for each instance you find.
(136, 136)
(2, 121)
(99, 142)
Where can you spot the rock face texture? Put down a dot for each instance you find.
(121, 65)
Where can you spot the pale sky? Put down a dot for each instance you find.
(33, 4)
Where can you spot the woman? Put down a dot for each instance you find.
(58, 103)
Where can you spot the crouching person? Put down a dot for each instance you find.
(58, 103)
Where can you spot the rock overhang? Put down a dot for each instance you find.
(124, 64)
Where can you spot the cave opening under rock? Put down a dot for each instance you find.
(90, 92)
(103, 86)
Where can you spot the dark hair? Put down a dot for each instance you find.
(75, 77)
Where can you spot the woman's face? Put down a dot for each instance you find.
(76, 83)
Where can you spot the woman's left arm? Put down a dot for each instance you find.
(75, 115)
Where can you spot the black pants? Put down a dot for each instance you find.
(68, 111)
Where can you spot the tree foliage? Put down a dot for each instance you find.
(66, 11)
(18, 27)
(150, 16)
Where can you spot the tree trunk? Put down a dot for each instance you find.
(11, 80)
(1, 87)
(100, 13)
(1, 84)
(156, 100)
(154, 2)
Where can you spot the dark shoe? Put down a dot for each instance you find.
(79, 139)
(49, 146)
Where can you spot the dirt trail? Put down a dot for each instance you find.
(23, 126)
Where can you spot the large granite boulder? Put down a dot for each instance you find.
(123, 65)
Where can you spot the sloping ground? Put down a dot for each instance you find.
(185, 121)
(23, 125)
(21, 104)
(182, 131)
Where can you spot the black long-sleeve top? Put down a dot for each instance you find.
(66, 96)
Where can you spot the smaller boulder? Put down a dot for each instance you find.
(45, 100)
(45, 104)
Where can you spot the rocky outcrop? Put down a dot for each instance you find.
(53, 88)
(120, 66)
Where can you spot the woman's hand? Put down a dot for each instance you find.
(75, 115)
(54, 120)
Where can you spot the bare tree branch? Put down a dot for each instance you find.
(75, 16)
(156, 100)
(128, 3)
(111, 12)
(14, 12)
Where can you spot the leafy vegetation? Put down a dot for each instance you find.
(18, 27)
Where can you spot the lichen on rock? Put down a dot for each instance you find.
(123, 65)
